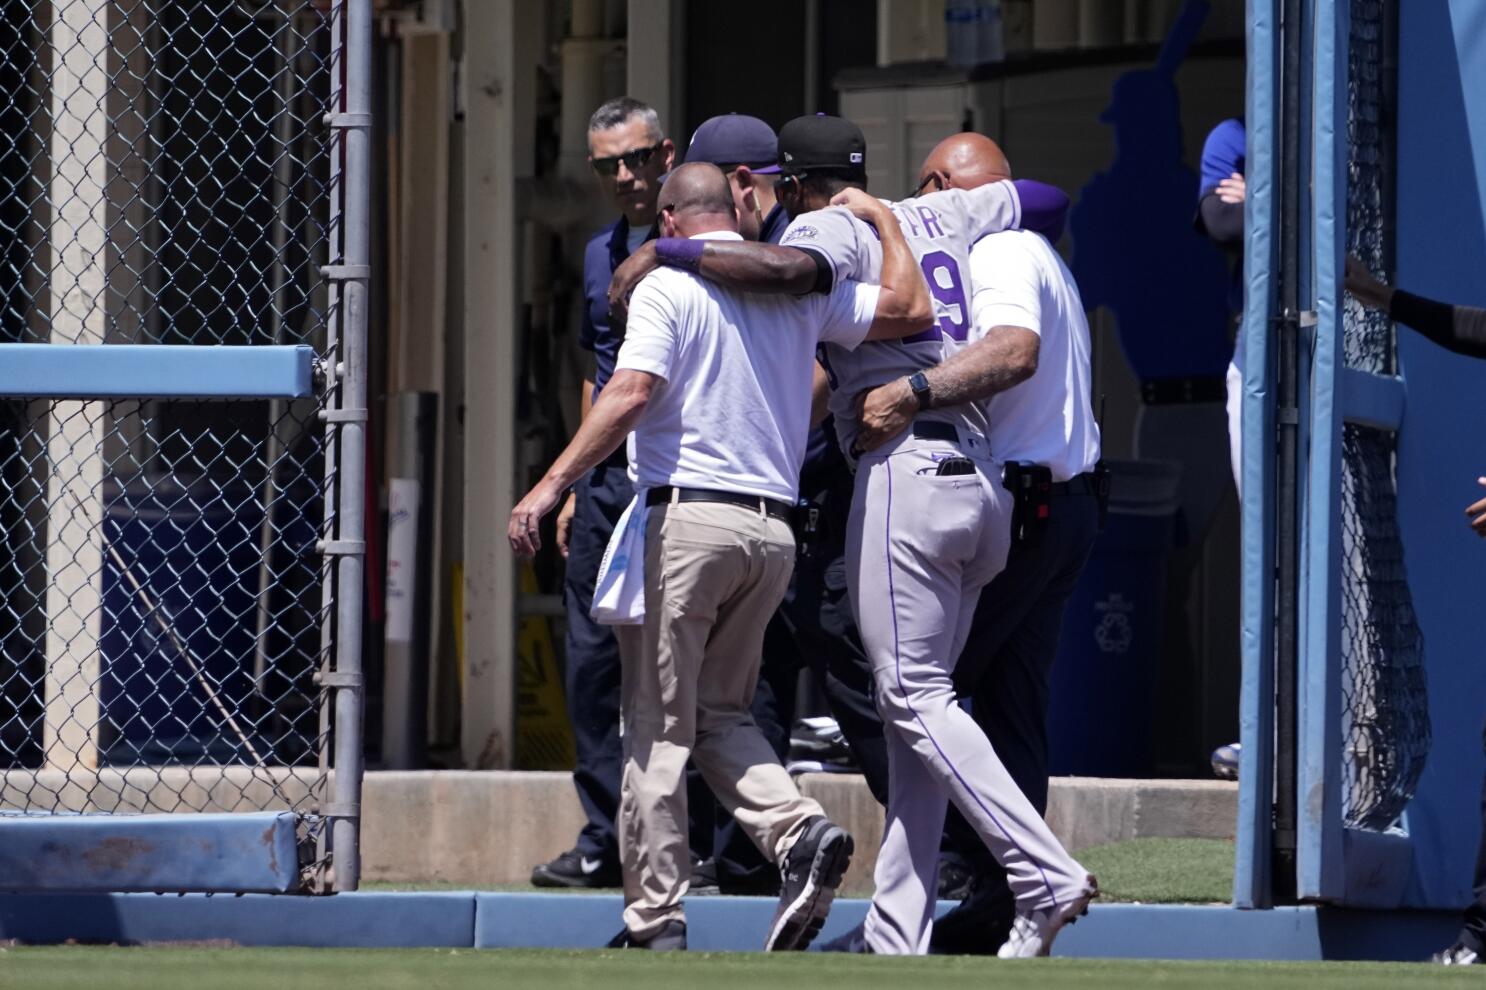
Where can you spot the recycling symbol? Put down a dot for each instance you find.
(1114, 633)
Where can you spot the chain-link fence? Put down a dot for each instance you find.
(1385, 712)
(176, 575)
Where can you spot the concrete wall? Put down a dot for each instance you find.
(491, 827)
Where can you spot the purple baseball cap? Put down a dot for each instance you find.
(736, 139)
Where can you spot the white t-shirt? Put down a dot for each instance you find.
(734, 411)
(939, 228)
(1048, 419)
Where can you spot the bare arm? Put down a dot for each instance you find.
(605, 427)
(745, 265)
(1005, 358)
(904, 306)
(570, 504)
(1461, 329)
(755, 267)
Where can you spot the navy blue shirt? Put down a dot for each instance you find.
(605, 252)
(1223, 154)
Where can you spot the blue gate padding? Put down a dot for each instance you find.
(230, 853)
(161, 371)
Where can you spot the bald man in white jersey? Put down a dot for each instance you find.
(930, 527)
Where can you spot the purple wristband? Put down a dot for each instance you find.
(1044, 208)
(679, 252)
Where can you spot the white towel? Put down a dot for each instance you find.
(619, 593)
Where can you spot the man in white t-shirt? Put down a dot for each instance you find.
(1028, 364)
(716, 386)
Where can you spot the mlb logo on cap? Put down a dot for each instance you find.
(820, 141)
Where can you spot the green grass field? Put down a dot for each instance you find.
(1151, 871)
(432, 969)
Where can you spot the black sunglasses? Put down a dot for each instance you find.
(785, 181)
(931, 177)
(633, 160)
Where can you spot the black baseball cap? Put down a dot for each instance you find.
(822, 142)
(735, 139)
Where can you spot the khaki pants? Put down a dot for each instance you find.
(714, 573)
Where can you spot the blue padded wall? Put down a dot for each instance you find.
(1441, 252)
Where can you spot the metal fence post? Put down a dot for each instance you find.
(355, 255)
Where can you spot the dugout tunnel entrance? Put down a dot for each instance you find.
(182, 452)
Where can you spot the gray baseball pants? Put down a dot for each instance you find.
(920, 548)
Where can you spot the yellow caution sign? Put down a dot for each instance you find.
(544, 740)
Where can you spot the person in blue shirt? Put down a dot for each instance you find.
(629, 154)
(1220, 207)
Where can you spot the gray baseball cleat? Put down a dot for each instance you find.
(1032, 934)
(811, 872)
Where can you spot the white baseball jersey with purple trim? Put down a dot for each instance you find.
(920, 547)
(939, 229)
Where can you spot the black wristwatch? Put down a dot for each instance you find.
(919, 382)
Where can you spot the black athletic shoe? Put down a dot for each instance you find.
(978, 925)
(1458, 954)
(956, 877)
(703, 879)
(572, 869)
(671, 938)
(811, 872)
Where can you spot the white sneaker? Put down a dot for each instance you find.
(1032, 934)
(1459, 954)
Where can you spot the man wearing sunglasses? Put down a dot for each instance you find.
(628, 153)
(930, 527)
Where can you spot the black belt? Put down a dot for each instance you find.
(928, 429)
(1183, 391)
(774, 507)
(1080, 484)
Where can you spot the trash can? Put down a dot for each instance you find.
(192, 546)
(1104, 678)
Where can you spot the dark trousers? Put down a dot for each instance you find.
(817, 618)
(592, 674)
(1474, 932)
(592, 685)
(1008, 658)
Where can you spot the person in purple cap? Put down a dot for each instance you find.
(814, 625)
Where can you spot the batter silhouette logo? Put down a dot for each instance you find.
(1113, 632)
